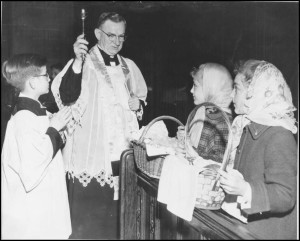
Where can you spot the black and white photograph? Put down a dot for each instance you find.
(125, 120)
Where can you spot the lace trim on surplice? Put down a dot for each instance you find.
(85, 178)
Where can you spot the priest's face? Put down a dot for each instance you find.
(110, 36)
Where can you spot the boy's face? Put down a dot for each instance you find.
(42, 81)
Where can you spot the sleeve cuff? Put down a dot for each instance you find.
(76, 69)
(245, 200)
(70, 86)
(55, 138)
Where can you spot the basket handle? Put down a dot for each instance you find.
(155, 120)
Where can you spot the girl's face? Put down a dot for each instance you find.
(197, 91)
(239, 94)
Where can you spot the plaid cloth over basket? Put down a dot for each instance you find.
(150, 166)
(209, 193)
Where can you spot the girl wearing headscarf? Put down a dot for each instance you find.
(263, 183)
(206, 141)
(208, 132)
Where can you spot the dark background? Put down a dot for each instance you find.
(165, 39)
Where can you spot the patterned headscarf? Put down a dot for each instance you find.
(268, 102)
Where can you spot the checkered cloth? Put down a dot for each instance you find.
(214, 136)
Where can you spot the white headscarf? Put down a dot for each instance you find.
(268, 102)
(217, 85)
(217, 88)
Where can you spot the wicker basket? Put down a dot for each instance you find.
(209, 194)
(150, 166)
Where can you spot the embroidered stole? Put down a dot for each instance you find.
(102, 68)
(128, 114)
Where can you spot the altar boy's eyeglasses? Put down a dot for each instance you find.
(45, 75)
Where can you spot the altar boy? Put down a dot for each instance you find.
(34, 194)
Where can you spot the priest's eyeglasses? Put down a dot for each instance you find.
(113, 37)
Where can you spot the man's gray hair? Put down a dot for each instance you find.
(113, 16)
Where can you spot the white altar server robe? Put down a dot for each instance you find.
(34, 194)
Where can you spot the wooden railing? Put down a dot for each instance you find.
(142, 217)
